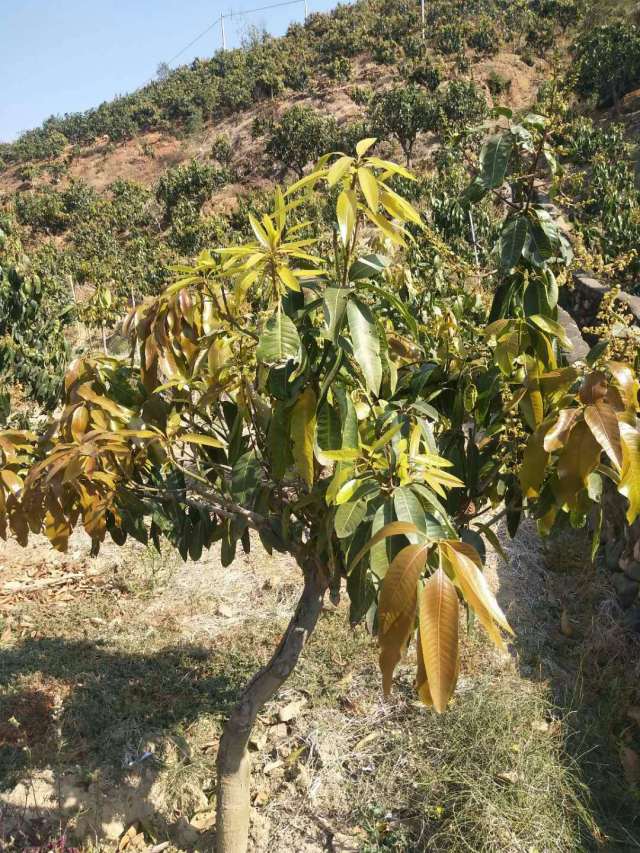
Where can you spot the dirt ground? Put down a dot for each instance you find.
(116, 673)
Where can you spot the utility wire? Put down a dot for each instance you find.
(197, 38)
(231, 15)
(262, 8)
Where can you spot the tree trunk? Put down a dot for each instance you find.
(234, 766)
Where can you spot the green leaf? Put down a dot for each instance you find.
(245, 477)
(348, 517)
(328, 428)
(393, 528)
(303, 429)
(334, 306)
(369, 266)
(494, 160)
(512, 241)
(279, 340)
(366, 344)
(409, 509)
(383, 551)
(551, 327)
(278, 440)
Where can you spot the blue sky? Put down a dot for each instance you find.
(66, 55)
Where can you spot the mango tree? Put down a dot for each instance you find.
(308, 388)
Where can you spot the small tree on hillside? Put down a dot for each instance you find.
(404, 112)
(299, 387)
(608, 62)
(300, 137)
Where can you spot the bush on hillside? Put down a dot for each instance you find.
(607, 62)
(299, 137)
(403, 112)
(193, 181)
(462, 102)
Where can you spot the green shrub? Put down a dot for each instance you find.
(350, 134)
(299, 137)
(498, 84)
(221, 149)
(190, 232)
(462, 103)
(403, 112)
(42, 210)
(424, 74)
(450, 38)
(194, 181)
(484, 38)
(339, 69)
(607, 62)
(360, 95)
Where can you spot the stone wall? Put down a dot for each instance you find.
(582, 300)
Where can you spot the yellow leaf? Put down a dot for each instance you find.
(346, 211)
(388, 229)
(79, 422)
(534, 463)
(394, 528)
(603, 423)
(629, 485)
(626, 381)
(369, 187)
(195, 438)
(422, 682)
(11, 480)
(475, 589)
(397, 607)
(288, 278)
(347, 491)
(438, 616)
(578, 459)
(338, 170)
(303, 430)
(400, 207)
(556, 437)
(364, 145)
(259, 231)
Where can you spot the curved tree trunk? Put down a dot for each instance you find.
(234, 766)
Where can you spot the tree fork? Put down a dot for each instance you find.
(233, 762)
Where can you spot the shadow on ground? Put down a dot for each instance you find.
(93, 715)
(569, 636)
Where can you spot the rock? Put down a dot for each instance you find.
(626, 589)
(613, 552)
(291, 711)
(341, 843)
(565, 624)
(632, 570)
(203, 820)
(631, 619)
(278, 732)
(261, 797)
(630, 761)
(258, 740)
(580, 347)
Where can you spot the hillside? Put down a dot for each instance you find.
(103, 202)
